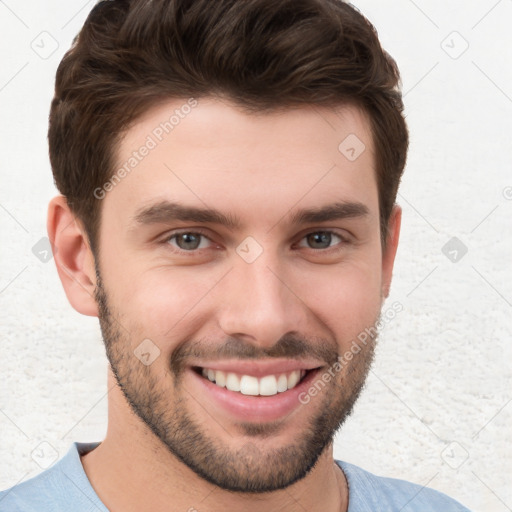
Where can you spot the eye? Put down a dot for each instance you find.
(188, 241)
(321, 240)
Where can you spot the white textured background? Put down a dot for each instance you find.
(437, 406)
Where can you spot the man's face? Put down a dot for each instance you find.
(277, 293)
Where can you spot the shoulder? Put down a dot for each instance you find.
(33, 495)
(369, 492)
(55, 488)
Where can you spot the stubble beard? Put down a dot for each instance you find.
(249, 467)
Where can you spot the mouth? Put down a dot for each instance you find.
(253, 390)
(250, 385)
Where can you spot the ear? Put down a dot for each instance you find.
(389, 253)
(73, 256)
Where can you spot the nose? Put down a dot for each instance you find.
(259, 303)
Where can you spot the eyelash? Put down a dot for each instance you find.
(167, 239)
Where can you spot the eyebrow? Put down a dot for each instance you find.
(335, 211)
(166, 211)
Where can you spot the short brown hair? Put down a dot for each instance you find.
(261, 54)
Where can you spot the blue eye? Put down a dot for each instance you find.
(189, 241)
(321, 240)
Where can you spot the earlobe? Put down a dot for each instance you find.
(73, 256)
(389, 253)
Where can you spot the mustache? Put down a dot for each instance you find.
(290, 346)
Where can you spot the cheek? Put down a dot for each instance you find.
(345, 298)
(162, 301)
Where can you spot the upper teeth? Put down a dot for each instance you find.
(249, 385)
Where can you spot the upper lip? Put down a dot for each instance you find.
(259, 368)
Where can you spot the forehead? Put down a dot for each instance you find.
(260, 166)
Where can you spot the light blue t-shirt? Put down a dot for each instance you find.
(64, 487)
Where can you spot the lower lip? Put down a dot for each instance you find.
(255, 408)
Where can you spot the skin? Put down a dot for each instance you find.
(260, 169)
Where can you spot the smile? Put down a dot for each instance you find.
(267, 385)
